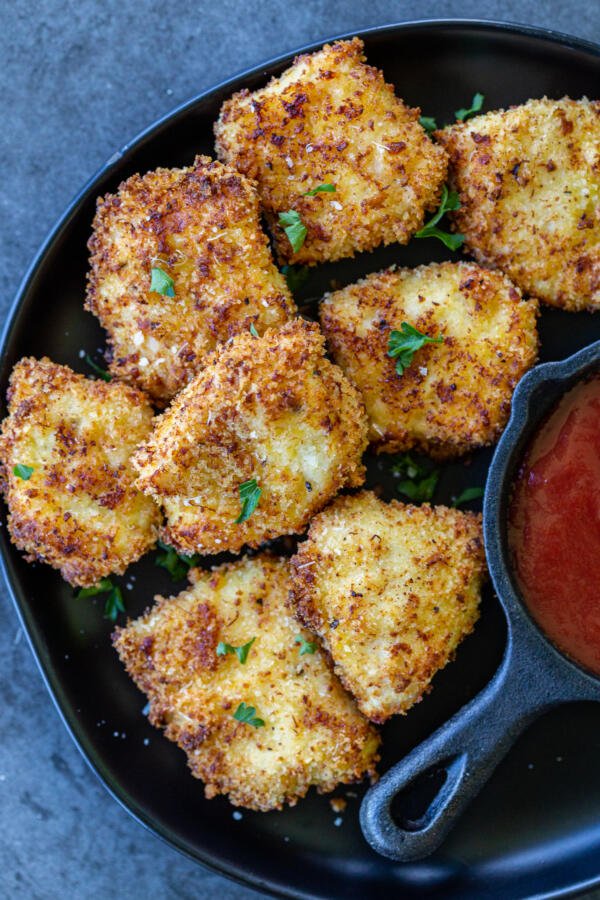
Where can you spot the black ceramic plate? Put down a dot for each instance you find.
(535, 829)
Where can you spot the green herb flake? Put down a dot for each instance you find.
(113, 604)
(321, 189)
(249, 497)
(419, 481)
(295, 276)
(23, 472)
(403, 345)
(247, 714)
(469, 494)
(450, 201)
(420, 491)
(100, 372)
(305, 646)
(175, 563)
(294, 228)
(162, 283)
(101, 588)
(428, 123)
(476, 104)
(253, 330)
(241, 652)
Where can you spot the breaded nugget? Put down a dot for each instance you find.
(529, 183)
(312, 735)
(271, 410)
(71, 438)
(201, 226)
(332, 119)
(455, 395)
(391, 589)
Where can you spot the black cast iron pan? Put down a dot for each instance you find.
(533, 676)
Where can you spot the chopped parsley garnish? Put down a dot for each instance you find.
(249, 497)
(101, 588)
(449, 201)
(22, 471)
(175, 563)
(320, 189)
(476, 103)
(295, 276)
(403, 345)
(162, 283)
(100, 372)
(294, 228)
(305, 646)
(472, 493)
(247, 714)
(428, 123)
(418, 480)
(241, 652)
(113, 604)
(253, 330)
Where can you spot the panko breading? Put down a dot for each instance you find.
(270, 409)
(391, 589)
(313, 735)
(201, 226)
(454, 396)
(529, 183)
(78, 511)
(332, 119)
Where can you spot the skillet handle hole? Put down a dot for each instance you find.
(416, 806)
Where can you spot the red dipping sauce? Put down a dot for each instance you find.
(554, 525)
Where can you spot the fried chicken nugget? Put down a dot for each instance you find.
(269, 412)
(529, 183)
(392, 590)
(331, 119)
(65, 471)
(312, 734)
(201, 227)
(455, 395)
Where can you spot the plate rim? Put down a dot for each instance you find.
(14, 589)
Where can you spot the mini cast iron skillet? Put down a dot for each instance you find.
(533, 676)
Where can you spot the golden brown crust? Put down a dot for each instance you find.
(454, 396)
(529, 183)
(313, 734)
(79, 511)
(330, 118)
(391, 589)
(271, 409)
(200, 225)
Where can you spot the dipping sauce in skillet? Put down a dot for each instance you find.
(554, 525)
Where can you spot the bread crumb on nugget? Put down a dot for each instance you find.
(271, 410)
(71, 438)
(201, 226)
(392, 590)
(454, 396)
(332, 119)
(529, 183)
(313, 734)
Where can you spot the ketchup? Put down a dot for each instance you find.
(554, 525)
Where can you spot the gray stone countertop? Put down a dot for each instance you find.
(79, 80)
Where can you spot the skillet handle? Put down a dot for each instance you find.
(466, 749)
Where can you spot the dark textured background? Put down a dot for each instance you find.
(79, 80)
